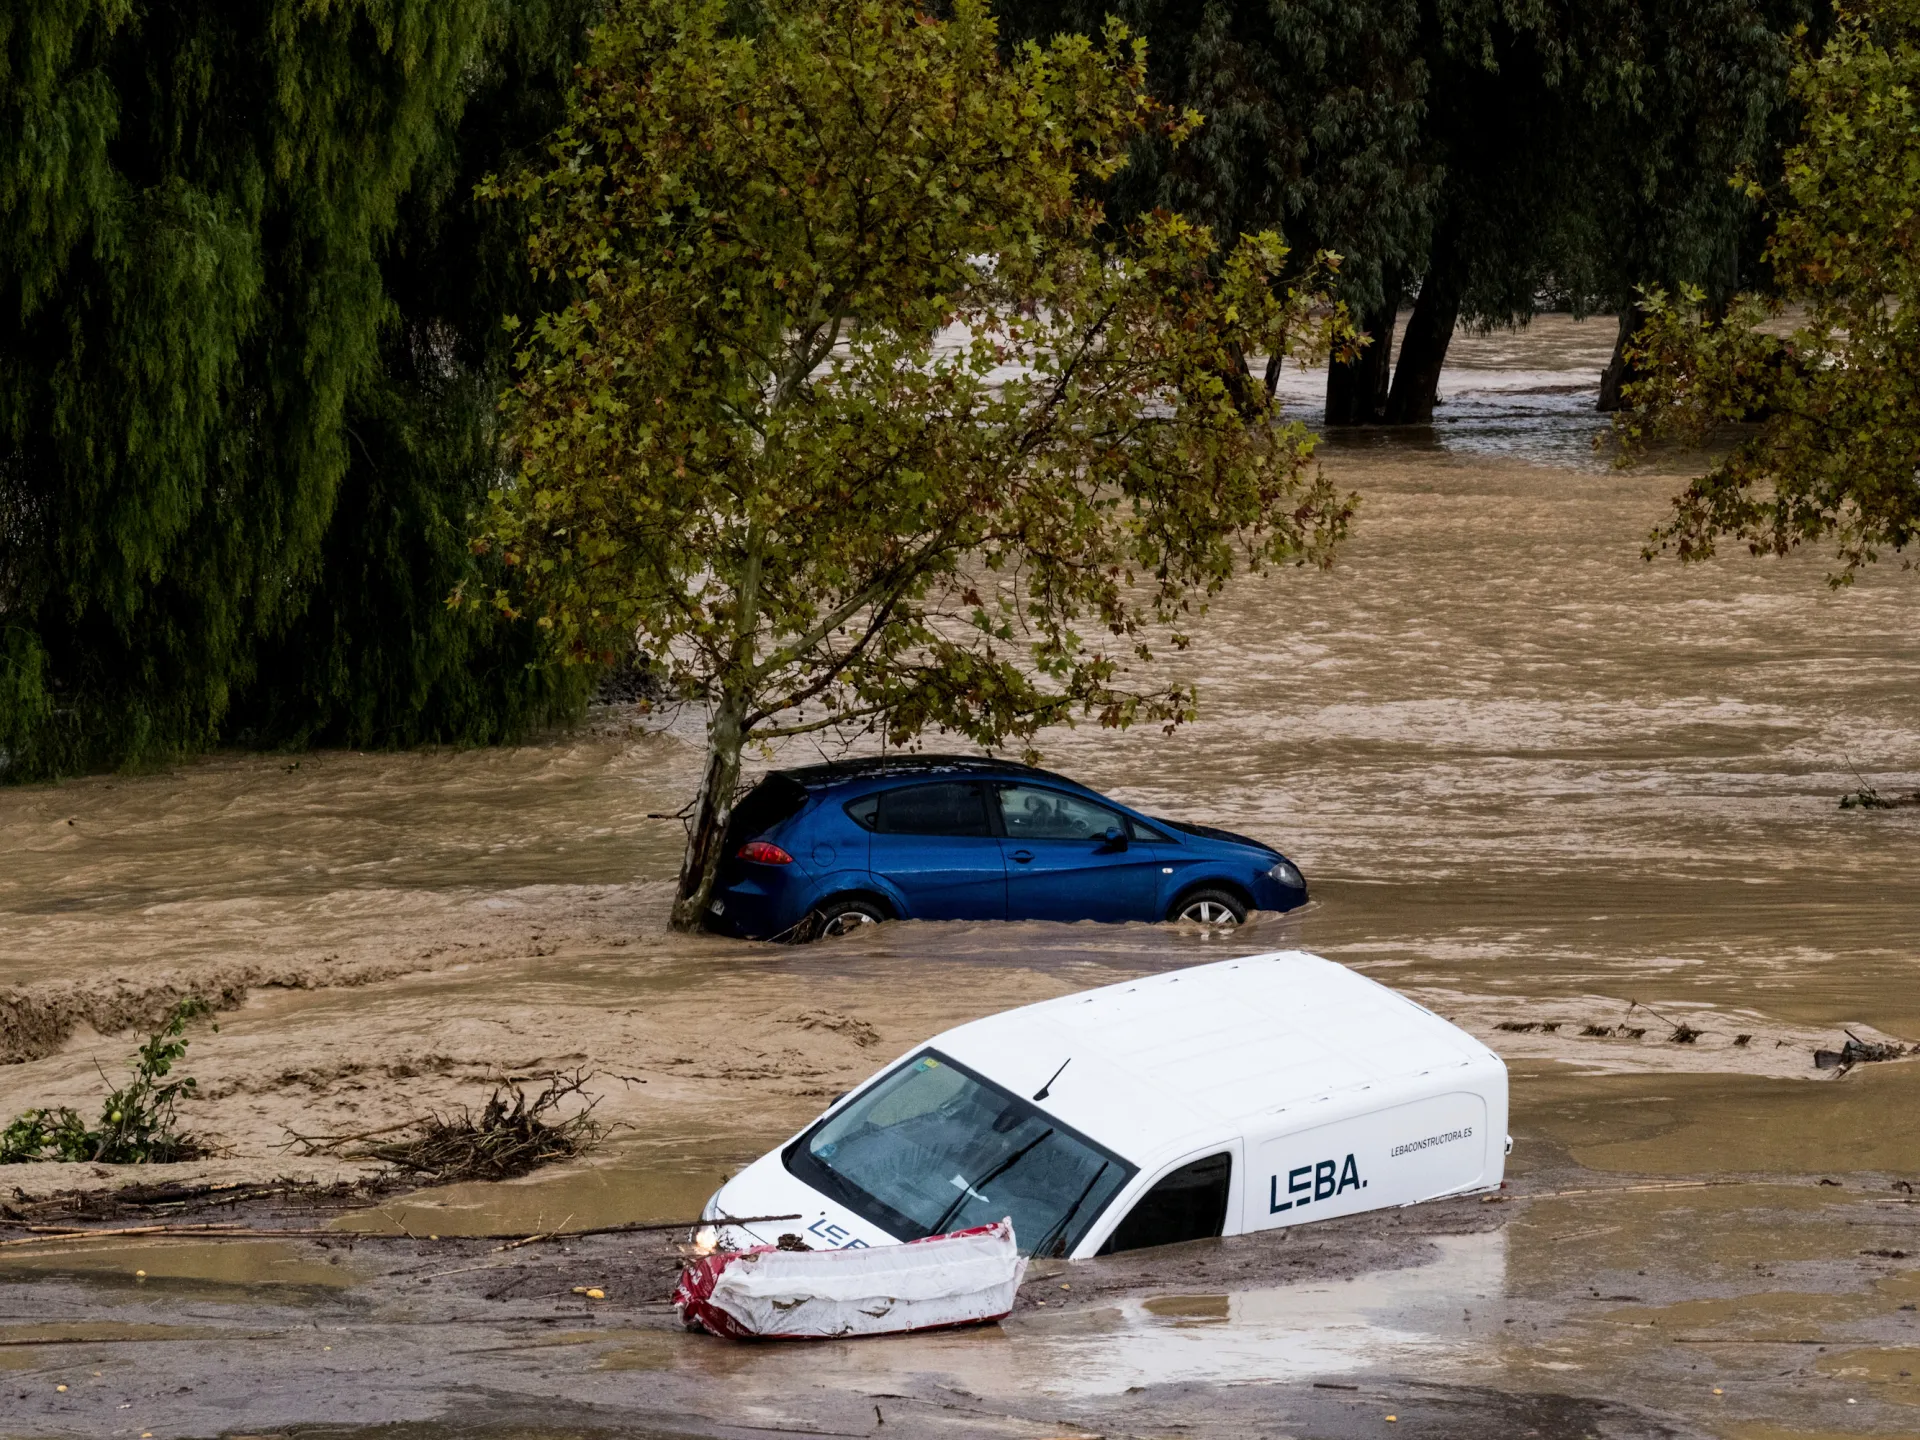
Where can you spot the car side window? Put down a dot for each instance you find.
(952, 807)
(1138, 831)
(1189, 1204)
(1031, 813)
(864, 812)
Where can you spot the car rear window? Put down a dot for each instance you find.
(935, 1147)
(951, 807)
(774, 799)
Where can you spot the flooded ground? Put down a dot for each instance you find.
(1534, 781)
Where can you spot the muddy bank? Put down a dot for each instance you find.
(223, 958)
(37, 1020)
(706, 1052)
(1543, 1312)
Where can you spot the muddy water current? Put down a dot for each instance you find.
(1534, 780)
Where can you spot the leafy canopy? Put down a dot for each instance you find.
(1832, 388)
(857, 420)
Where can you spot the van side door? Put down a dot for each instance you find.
(1399, 1155)
(1194, 1198)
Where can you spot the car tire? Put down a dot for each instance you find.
(846, 914)
(1216, 909)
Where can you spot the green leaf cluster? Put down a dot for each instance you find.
(137, 1125)
(861, 415)
(1815, 389)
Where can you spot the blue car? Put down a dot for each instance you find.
(827, 848)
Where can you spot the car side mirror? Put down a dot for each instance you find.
(1114, 839)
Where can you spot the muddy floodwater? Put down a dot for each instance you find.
(1572, 800)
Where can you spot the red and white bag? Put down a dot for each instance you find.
(967, 1278)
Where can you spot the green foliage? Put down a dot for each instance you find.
(137, 1124)
(857, 420)
(1316, 116)
(1477, 153)
(1587, 145)
(237, 444)
(1827, 399)
(377, 657)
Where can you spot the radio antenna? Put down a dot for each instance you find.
(1047, 1088)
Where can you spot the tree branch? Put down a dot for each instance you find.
(820, 682)
(893, 583)
(813, 726)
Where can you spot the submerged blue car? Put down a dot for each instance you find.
(827, 848)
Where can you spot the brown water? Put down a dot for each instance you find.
(1531, 778)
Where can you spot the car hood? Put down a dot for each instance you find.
(766, 1188)
(1210, 832)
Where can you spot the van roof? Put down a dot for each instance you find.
(1183, 1057)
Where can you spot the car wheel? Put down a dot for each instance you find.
(846, 915)
(1214, 908)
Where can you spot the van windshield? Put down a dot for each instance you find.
(934, 1148)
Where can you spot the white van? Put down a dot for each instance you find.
(1244, 1095)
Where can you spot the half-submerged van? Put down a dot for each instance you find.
(1244, 1095)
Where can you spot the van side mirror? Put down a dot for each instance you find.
(1114, 839)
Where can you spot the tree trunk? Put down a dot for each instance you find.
(1357, 390)
(1416, 380)
(1618, 373)
(712, 809)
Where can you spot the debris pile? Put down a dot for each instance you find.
(1855, 1052)
(1868, 798)
(511, 1136)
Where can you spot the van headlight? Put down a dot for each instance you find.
(706, 1240)
(1287, 875)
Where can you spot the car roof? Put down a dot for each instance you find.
(1188, 1057)
(840, 772)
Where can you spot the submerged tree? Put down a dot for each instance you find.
(1468, 156)
(1829, 401)
(857, 422)
(1315, 122)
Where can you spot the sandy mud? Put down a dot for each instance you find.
(1578, 803)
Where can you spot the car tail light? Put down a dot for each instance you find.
(765, 853)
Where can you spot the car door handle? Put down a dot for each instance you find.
(1023, 856)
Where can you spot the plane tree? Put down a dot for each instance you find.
(864, 417)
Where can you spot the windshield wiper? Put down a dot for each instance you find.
(940, 1225)
(1074, 1209)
